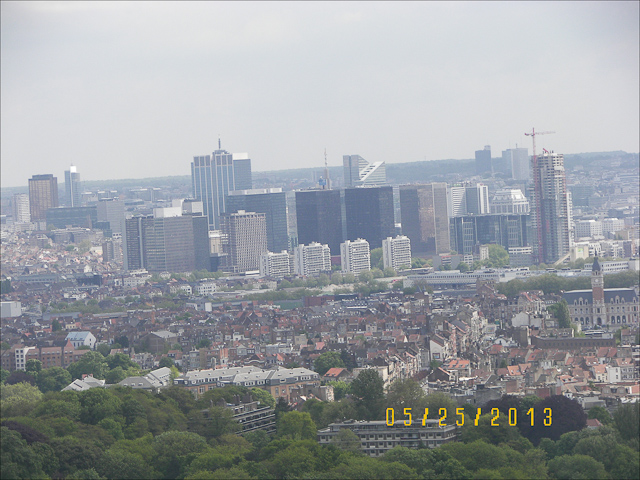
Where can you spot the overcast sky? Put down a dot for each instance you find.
(130, 90)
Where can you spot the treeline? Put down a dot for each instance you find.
(125, 433)
(551, 283)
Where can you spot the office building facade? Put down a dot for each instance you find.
(214, 176)
(72, 187)
(369, 214)
(20, 204)
(319, 218)
(275, 265)
(424, 217)
(510, 201)
(62, 217)
(43, 195)
(270, 201)
(358, 172)
(551, 209)
(355, 256)
(468, 199)
(244, 240)
(506, 230)
(518, 158)
(483, 161)
(112, 211)
(396, 252)
(164, 243)
(312, 259)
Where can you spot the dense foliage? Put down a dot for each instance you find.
(123, 433)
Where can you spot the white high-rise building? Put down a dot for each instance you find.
(276, 265)
(311, 259)
(21, 213)
(396, 252)
(357, 171)
(509, 201)
(355, 256)
(467, 199)
(244, 239)
(518, 159)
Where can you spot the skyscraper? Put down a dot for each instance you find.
(357, 171)
(518, 158)
(270, 201)
(369, 214)
(214, 176)
(319, 218)
(483, 161)
(112, 211)
(355, 256)
(550, 207)
(166, 242)
(244, 239)
(72, 187)
(467, 199)
(424, 218)
(43, 195)
(311, 259)
(21, 212)
(396, 252)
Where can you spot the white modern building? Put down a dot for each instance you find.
(510, 201)
(357, 171)
(10, 309)
(276, 265)
(79, 339)
(467, 199)
(396, 252)
(588, 228)
(610, 226)
(311, 259)
(518, 158)
(355, 256)
(21, 213)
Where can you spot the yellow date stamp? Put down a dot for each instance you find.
(442, 416)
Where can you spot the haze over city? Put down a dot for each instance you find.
(128, 90)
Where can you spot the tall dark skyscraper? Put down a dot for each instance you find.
(319, 218)
(272, 202)
(167, 244)
(43, 195)
(214, 176)
(369, 214)
(72, 187)
(424, 217)
(483, 161)
(470, 230)
(550, 208)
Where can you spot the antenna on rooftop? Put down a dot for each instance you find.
(326, 171)
(219, 144)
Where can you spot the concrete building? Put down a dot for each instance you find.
(20, 204)
(244, 240)
(355, 256)
(509, 201)
(10, 309)
(369, 214)
(518, 158)
(319, 218)
(506, 230)
(311, 259)
(467, 200)
(214, 176)
(43, 195)
(62, 217)
(276, 265)
(483, 161)
(550, 207)
(424, 217)
(72, 187)
(112, 211)
(396, 252)
(380, 436)
(588, 228)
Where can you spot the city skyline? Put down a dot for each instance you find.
(330, 77)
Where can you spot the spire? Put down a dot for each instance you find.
(219, 144)
(596, 266)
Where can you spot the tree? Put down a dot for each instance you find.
(117, 464)
(376, 258)
(347, 440)
(566, 416)
(406, 394)
(115, 376)
(204, 343)
(365, 276)
(18, 399)
(626, 419)
(297, 426)
(4, 374)
(55, 326)
(104, 349)
(390, 272)
(166, 362)
(340, 389)
(576, 467)
(92, 363)
(463, 267)
(326, 361)
(601, 414)
(560, 310)
(53, 379)
(98, 403)
(264, 397)
(19, 376)
(18, 459)
(368, 388)
(437, 400)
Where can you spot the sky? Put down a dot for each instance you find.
(133, 90)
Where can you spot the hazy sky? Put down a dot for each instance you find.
(127, 90)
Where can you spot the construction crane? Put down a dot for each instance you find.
(537, 192)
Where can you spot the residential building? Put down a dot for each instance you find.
(72, 187)
(509, 201)
(276, 265)
(550, 208)
(355, 256)
(611, 226)
(518, 158)
(319, 218)
(379, 436)
(483, 161)
(424, 217)
(20, 204)
(81, 339)
(43, 195)
(214, 176)
(244, 239)
(311, 259)
(588, 228)
(369, 214)
(271, 202)
(396, 252)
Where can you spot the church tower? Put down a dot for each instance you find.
(597, 293)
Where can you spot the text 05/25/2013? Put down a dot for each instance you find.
(442, 416)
